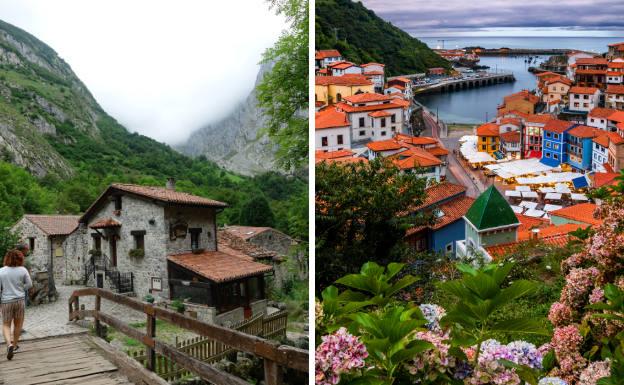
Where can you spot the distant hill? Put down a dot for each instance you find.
(361, 36)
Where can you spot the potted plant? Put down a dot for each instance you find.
(149, 298)
(178, 306)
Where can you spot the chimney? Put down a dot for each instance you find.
(171, 184)
(535, 234)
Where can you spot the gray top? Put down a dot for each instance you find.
(14, 281)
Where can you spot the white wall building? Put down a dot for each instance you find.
(372, 116)
(584, 99)
(332, 130)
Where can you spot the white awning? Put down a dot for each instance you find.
(548, 207)
(578, 197)
(529, 194)
(512, 193)
(547, 189)
(528, 204)
(553, 196)
(523, 188)
(517, 209)
(534, 213)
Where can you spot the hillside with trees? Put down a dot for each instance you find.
(362, 36)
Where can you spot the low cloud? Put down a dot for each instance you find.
(162, 68)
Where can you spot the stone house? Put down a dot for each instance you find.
(267, 238)
(141, 240)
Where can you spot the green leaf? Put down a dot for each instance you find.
(516, 290)
(520, 325)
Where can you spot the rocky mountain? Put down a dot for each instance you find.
(236, 142)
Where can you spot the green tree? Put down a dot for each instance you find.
(360, 211)
(257, 212)
(283, 92)
(8, 240)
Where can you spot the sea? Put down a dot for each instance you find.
(475, 106)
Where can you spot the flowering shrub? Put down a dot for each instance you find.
(594, 371)
(552, 381)
(339, 353)
(433, 314)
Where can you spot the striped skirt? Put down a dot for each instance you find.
(12, 310)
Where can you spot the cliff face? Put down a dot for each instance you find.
(236, 142)
(42, 102)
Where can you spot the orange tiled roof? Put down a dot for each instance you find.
(583, 90)
(488, 129)
(498, 251)
(524, 94)
(379, 114)
(517, 113)
(616, 64)
(527, 223)
(218, 266)
(583, 212)
(560, 79)
(55, 224)
(330, 118)
(374, 107)
(320, 154)
(453, 210)
(617, 116)
(384, 145)
(325, 53)
(246, 232)
(231, 242)
(584, 132)
(614, 137)
(549, 231)
(370, 73)
(511, 137)
(590, 72)
(401, 79)
(600, 112)
(508, 120)
(437, 151)
(105, 223)
(416, 140)
(615, 89)
(342, 65)
(546, 74)
(605, 179)
(591, 61)
(415, 157)
(372, 64)
(345, 80)
(397, 86)
(558, 126)
(538, 118)
(168, 196)
(602, 140)
(439, 192)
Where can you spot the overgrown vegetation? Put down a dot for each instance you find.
(361, 37)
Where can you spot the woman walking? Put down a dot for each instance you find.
(14, 283)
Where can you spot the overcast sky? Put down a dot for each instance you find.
(504, 17)
(162, 68)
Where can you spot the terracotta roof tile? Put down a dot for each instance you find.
(105, 223)
(583, 212)
(583, 90)
(366, 97)
(416, 140)
(591, 61)
(584, 132)
(502, 250)
(615, 89)
(440, 192)
(415, 157)
(549, 231)
(374, 107)
(452, 211)
(590, 72)
(511, 137)
(527, 223)
(617, 116)
(600, 112)
(385, 145)
(246, 232)
(539, 118)
(488, 129)
(614, 137)
(342, 65)
(437, 151)
(218, 266)
(509, 120)
(325, 53)
(330, 118)
(55, 224)
(379, 114)
(168, 196)
(320, 154)
(605, 179)
(558, 126)
(372, 64)
(602, 140)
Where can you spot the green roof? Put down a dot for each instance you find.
(490, 210)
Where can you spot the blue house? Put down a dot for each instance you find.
(553, 142)
(445, 204)
(579, 146)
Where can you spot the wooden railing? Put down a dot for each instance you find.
(275, 356)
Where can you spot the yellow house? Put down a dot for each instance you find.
(332, 89)
(488, 138)
(522, 101)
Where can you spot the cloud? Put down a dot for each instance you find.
(480, 14)
(162, 68)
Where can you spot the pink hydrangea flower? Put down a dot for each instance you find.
(594, 372)
(339, 353)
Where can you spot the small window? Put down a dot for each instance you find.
(449, 247)
(31, 244)
(362, 132)
(361, 122)
(383, 133)
(340, 140)
(383, 122)
(393, 118)
(324, 141)
(117, 200)
(195, 238)
(139, 239)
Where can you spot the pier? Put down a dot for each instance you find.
(520, 51)
(450, 85)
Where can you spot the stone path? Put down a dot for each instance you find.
(52, 319)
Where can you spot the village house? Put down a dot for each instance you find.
(599, 118)
(325, 57)
(343, 68)
(332, 130)
(400, 84)
(489, 221)
(615, 158)
(523, 101)
(54, 245)
(580, 147)
(554, 91)
(332, 89)
(265, 237)
(615, 72)
(372, 116)
(583, 99)
(580, 214)
(141, 240)
(600, 152)
(342, 156)
(590, 72)
(488, 138)
(614, 97)
(533, 135)
(375, 72)
(554, 142)
(446, 204)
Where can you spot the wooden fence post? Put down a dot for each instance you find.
(98, 325)
(151, 334)
(272, 373)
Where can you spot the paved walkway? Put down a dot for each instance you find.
(51, 319)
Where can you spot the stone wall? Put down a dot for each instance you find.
(273, 240)
(209, 314)
(70, 267)
(39, 256)
(194, 217)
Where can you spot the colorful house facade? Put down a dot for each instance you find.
(580, 147)
(554, 142)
